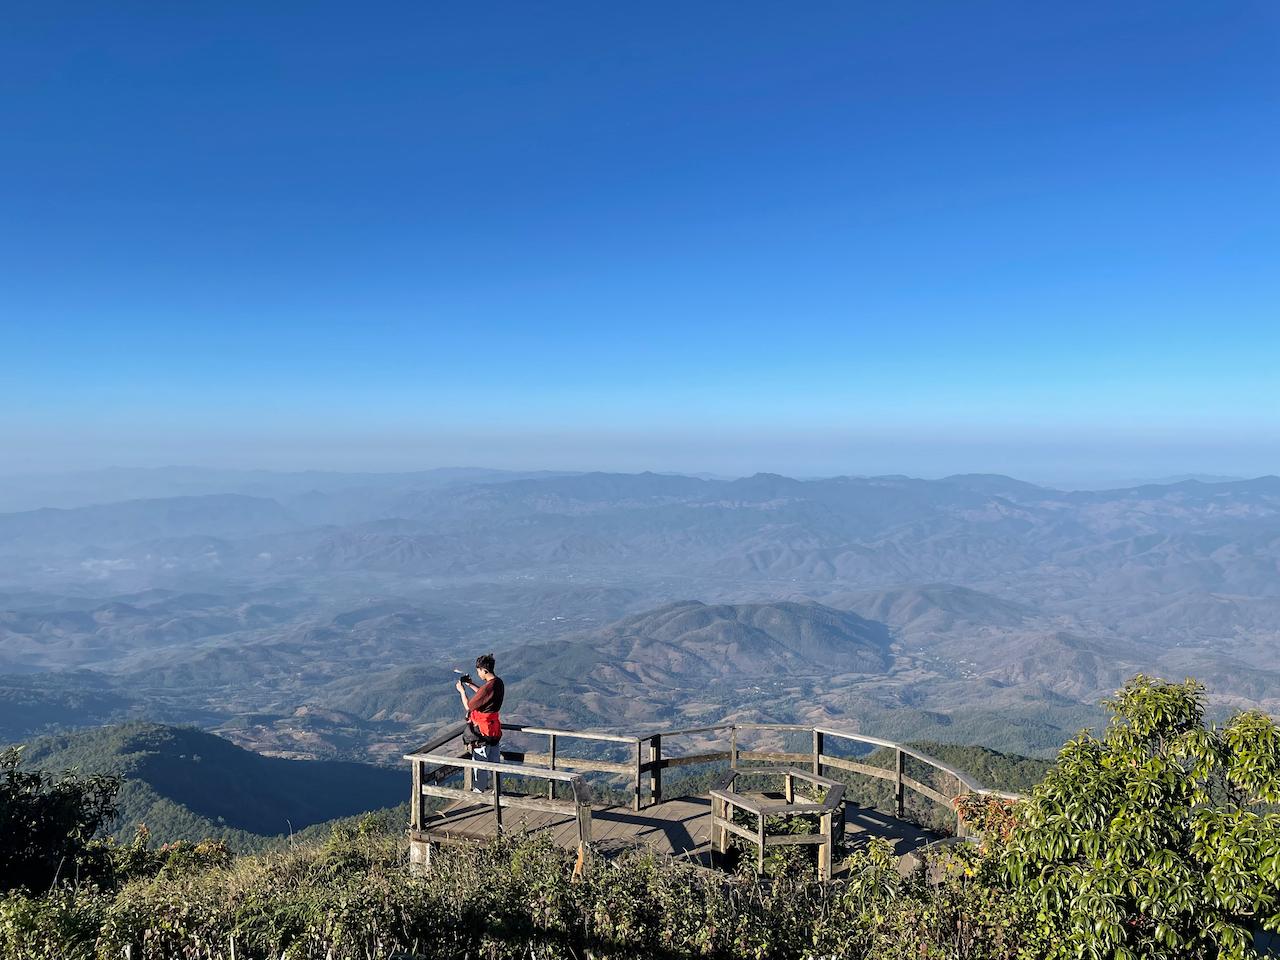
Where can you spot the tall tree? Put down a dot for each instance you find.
(1157, 839)
(47, 823)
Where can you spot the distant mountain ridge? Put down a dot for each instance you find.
(746, 640)
(644, 662)
(137, 521)
(882, 529)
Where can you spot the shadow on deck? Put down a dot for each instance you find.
(678, 828)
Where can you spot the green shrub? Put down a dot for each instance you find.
(354, 897)
(1153, 840)
(61, 925)
(47, 823)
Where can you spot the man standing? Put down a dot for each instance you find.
(484, 727)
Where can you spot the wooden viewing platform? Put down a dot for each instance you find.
(556, 801)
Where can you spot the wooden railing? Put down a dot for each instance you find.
(432, 765)
(648, 762)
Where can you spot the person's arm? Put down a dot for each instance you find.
(482, 698)
(462, 693)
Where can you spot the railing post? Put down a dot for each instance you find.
(415, 802)
(817, 753)
(551, 749)
(655, 768)
(960, 792)
(583, 810)
(733, 747)
(497, 798)
(827, 848)
(468, 775)
(760, 842)
(789, 788)
(635, 804)
(900, 763)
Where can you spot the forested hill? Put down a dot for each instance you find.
(184, 783)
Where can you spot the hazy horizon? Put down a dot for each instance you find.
(1099, 481)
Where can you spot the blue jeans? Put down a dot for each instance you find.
(489, 753)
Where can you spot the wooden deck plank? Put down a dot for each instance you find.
(679, 828)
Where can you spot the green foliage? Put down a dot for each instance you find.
(63, 924)
(139, 859)
(47, 822)
(352, 896)
(951, 909)
(1150, 841)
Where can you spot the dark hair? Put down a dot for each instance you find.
(485, 662)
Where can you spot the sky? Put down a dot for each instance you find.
(853, 237)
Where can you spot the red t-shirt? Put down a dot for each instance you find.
(488, 699)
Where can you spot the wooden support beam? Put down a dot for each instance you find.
(579, 763)
(790, 809)
(510, 800)
(927, 791)
(655, 768)
(639, 774)
(718, 836)
(582, 803)
(728, 826)
(817, 753)
(739, 801)
(574, 734)
(719, 757)
(415, 800)
(900, 763)
(772, 756)
(551, 754)
(497, 800)
(794, 839)
(853, 766)
(825, 852)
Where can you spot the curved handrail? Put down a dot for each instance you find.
(656, 763)
(971, 785)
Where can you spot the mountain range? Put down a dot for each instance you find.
(321, 615)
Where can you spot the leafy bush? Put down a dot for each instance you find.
(47, 822)
(353, 897)
(1152, 841)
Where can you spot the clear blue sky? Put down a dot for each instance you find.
(813, 238)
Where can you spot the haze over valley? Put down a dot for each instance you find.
(320, 615)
